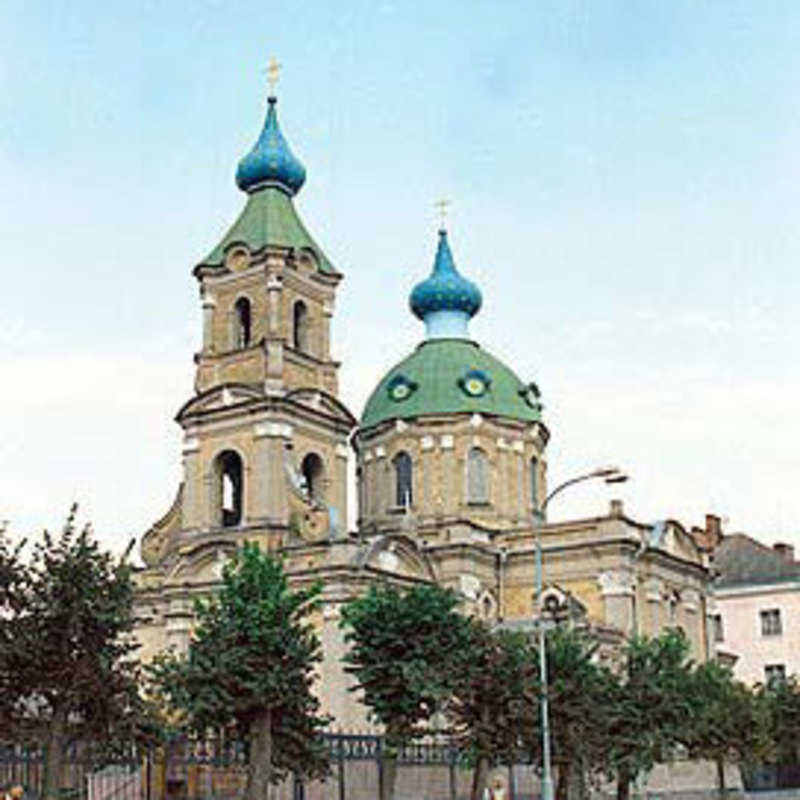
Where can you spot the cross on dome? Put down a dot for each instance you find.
(273, 74)
(271, 161)
(442, 205)
(446, 300)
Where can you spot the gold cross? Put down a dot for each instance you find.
(273, 73)
(442, 206)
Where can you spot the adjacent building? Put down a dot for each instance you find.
(756, 615)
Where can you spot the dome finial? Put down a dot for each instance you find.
(445, 301)
(273, 74)
(271, 162)
(442, 205)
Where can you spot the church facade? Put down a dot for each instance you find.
(450, 456)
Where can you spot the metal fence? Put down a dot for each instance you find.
(215, 769)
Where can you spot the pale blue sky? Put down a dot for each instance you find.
(625, 183)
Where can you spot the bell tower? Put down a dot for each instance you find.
(265, 437)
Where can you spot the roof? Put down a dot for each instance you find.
(271, 159)
(741, 560)
(269, 218)
(451, 376)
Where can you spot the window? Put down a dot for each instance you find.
(300, 326)
(535, 482)
(403, 480)
(774, 673)
(771, 622)
(717, 631)
(229, 488)
(312, 470)
(242, 323)
(673, 608)
(477, 476)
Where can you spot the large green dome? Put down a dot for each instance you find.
(451, 376)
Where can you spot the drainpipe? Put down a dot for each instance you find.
(502, 555)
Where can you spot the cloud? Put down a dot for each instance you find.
(91, 428)
(98, 429)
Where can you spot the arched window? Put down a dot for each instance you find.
(229, 488)
(403, 480)
(313, 470)
(242, 323)
(535, 482)
(477, 476)
(300, 326)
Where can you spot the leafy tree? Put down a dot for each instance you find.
(251, 663)
(648, 707)
(579, 690)
(495, 700)
(728, 721)
(405, 649)
(781, 699)
(12, 574)
(67, 666)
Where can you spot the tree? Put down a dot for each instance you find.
(728, 722)
(781, 700)
(405, 648)
(494, 704)
(11, 604)
(67, 665)
(251, 663)
(578, 690)
(648, 706)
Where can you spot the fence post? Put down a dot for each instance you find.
(452, 772)
(147, 772)
(342, 793)
(379, 756)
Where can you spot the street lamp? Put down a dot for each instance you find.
(609, 475)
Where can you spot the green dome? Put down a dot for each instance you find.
(451, 376)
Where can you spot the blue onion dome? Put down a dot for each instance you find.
(445, 301)
(270, 162)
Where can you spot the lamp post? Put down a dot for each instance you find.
(609, 475)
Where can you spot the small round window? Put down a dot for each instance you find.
(532, 396)
(401, 388)
(475, 383)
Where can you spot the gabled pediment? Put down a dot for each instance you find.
(321, 402)
(218, 398)
(398, 555)
(671, 537)
(202, 565)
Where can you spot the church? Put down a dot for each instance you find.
(450, 457)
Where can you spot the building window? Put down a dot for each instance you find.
(300, 326)
(771, 622)
(477, 476)
(312, 470)
(229, 488)
(774, 673)
(673, 608)
(403, 480)
(242, 311)
(717, 631)
(535, 482)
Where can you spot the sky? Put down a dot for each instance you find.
(624, 181)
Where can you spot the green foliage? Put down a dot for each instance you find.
(781, 700)
(579, 690)
(494, 707)
(406, 648)
(252, 658)
(67, 664)
(728, 721)
(649, 705)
